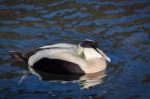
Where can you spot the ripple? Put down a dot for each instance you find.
(27, 30)
(121, 28)
(121, 20)
(57, 3)
(77, 15)
(10, 22)
(29, 18)
(116, 11)
(144, 10)
(56, 13)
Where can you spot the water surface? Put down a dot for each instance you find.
(121, 28)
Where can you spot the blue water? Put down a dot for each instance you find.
(121, 28)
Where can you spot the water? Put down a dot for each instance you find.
(122, 29)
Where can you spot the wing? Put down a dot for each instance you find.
(60, 45)
(26, 55)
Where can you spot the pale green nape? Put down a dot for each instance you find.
(80, 51)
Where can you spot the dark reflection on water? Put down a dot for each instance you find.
(86, 81)
(122, 29)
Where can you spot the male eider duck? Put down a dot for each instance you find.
(63, 58)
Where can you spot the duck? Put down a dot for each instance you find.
(64, 58)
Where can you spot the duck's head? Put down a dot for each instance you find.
(89, 49)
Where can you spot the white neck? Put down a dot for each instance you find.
(91, 53)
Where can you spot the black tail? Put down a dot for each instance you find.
(17, 56)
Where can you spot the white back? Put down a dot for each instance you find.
(60, 45)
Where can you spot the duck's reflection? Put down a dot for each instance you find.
(86, 81)
(89, 80)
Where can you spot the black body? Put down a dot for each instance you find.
(57, 66)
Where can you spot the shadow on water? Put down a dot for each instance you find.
(121, 28)
(86, 81)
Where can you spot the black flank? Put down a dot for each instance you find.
(57, 66)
